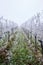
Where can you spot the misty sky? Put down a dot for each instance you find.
(20, 10)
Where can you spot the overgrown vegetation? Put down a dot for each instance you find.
(17, 52)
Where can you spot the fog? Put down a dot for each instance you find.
(20, 11)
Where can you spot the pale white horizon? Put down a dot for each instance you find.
(20, 10)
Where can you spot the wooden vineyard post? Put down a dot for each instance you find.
(41, 51)
(36, 43)
(8, 36)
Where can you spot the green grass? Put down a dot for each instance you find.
(20, 53)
